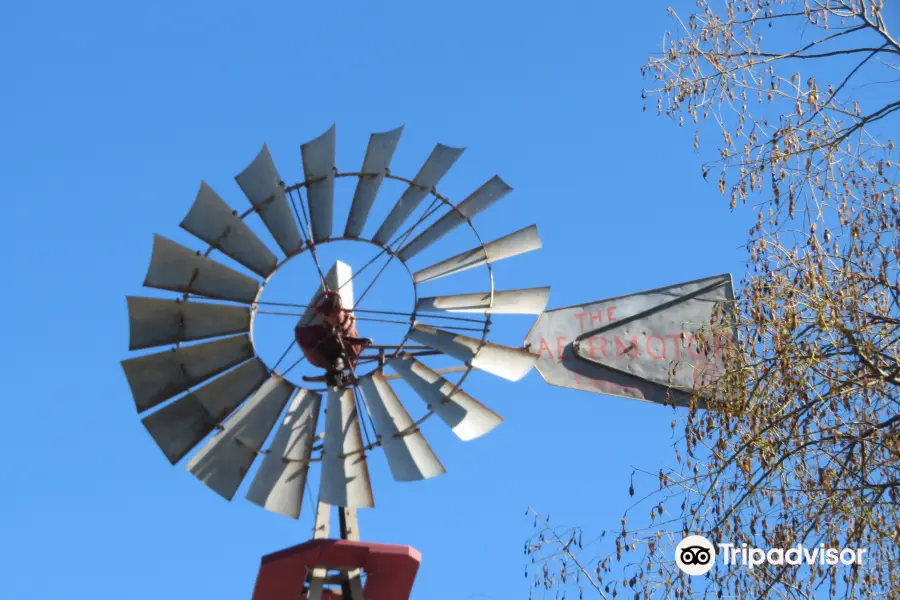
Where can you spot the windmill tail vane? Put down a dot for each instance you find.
(209, 383)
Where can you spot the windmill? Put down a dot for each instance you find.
(203, 382)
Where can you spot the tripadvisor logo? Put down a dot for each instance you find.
(696, 555)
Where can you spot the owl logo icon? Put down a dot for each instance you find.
(695, 555)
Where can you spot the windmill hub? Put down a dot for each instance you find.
(352, 286)
(331, 341)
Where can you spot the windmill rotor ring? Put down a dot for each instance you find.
(223, 392)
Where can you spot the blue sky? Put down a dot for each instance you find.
(113, 113)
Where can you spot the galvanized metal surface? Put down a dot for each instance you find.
(378, 159)
(224, 461)
(157, 322)
(345, 473)
(509, 363)
(479, 200)
(181, 425)
(263, 187)
(409, 456)
(279, 484)
(520, 242)
(214, 222)
(322, 524)
(340, 277)
(530, 301)
(436, 166)
(318, 169)
(628, 346)
(178, 269)
(464, 415)
(157, 377)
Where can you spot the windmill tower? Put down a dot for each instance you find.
(205, 380)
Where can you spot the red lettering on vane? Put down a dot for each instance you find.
(595, 382)
(605, 386)
(676, 341)
(662, 345)
(580, 317)
(630, 350)
(595, 318)
(544, 346)
(602, 341)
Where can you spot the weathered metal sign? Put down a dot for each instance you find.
(637, 346)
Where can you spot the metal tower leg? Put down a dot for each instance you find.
(351, 584)
(320, 532)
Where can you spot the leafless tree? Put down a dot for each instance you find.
(802, 441)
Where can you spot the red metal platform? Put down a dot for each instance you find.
(390, 570)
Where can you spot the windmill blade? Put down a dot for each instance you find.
(509, 363)
(178, 269)
(409, 456)
(439, 162)
(520, 242)
(530, 301)
(224, 461)
(375, 164)
(157, 322)
(464, 415)
(181, 425)
(278, 485)
(157, 377)
(345, 473)
(481, 199)
(213, 221)
(318, 169)
(262, 185)
(339, 277)
(628, 346)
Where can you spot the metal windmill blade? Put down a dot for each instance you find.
(264, 189)
(224, 461)
(318, 167)
(375, 166)
(520, 242)
(438, 163)
(278, 485)
(207, 380)
(409, 455)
